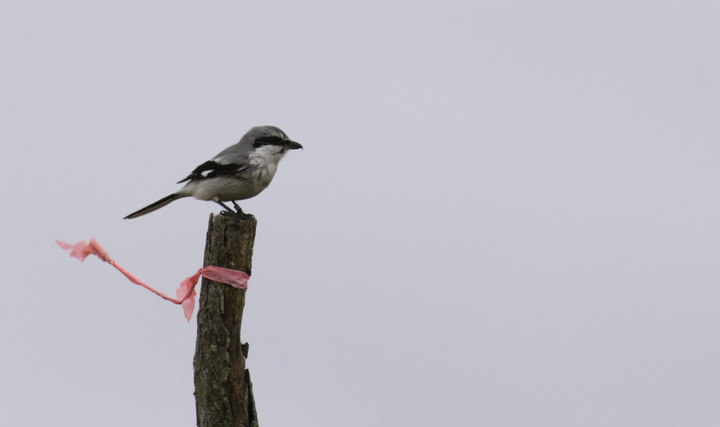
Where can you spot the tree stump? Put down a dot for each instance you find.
(223, 392)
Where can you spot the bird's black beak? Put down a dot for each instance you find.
(292, 145)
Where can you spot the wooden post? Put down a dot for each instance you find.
(223, 392)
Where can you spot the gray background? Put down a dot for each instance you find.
(505, 214)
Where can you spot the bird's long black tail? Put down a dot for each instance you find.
(154, 206)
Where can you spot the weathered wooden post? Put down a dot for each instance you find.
(223, 391)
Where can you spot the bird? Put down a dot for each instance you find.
(239, 172)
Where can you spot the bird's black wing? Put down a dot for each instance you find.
(211, 169)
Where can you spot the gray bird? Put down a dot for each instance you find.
(239, 172)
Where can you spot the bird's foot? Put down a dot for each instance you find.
(229, 211)
(238, 209)
(239, 215)
(239, 212)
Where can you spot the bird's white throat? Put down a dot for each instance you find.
(267, 157)
(265, 160)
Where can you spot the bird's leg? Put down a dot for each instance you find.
(229, 210)
(239, 211)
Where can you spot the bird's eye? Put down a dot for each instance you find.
(267, 140)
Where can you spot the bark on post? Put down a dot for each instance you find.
(223, 392)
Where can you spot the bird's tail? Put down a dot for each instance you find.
(154, 206)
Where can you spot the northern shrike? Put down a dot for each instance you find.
(239, 172)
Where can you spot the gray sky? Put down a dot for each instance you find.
(506, 213)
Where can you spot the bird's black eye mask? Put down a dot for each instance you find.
(268, 140)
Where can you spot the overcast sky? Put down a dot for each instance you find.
(506, 212)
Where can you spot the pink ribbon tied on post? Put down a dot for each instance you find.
(185, 293)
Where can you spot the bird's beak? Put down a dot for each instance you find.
(292, 145)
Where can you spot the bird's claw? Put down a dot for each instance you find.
(238, 212)
(238, 209)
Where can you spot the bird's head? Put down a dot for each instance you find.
(270, 137)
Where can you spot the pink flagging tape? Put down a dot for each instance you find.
(185, 293)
